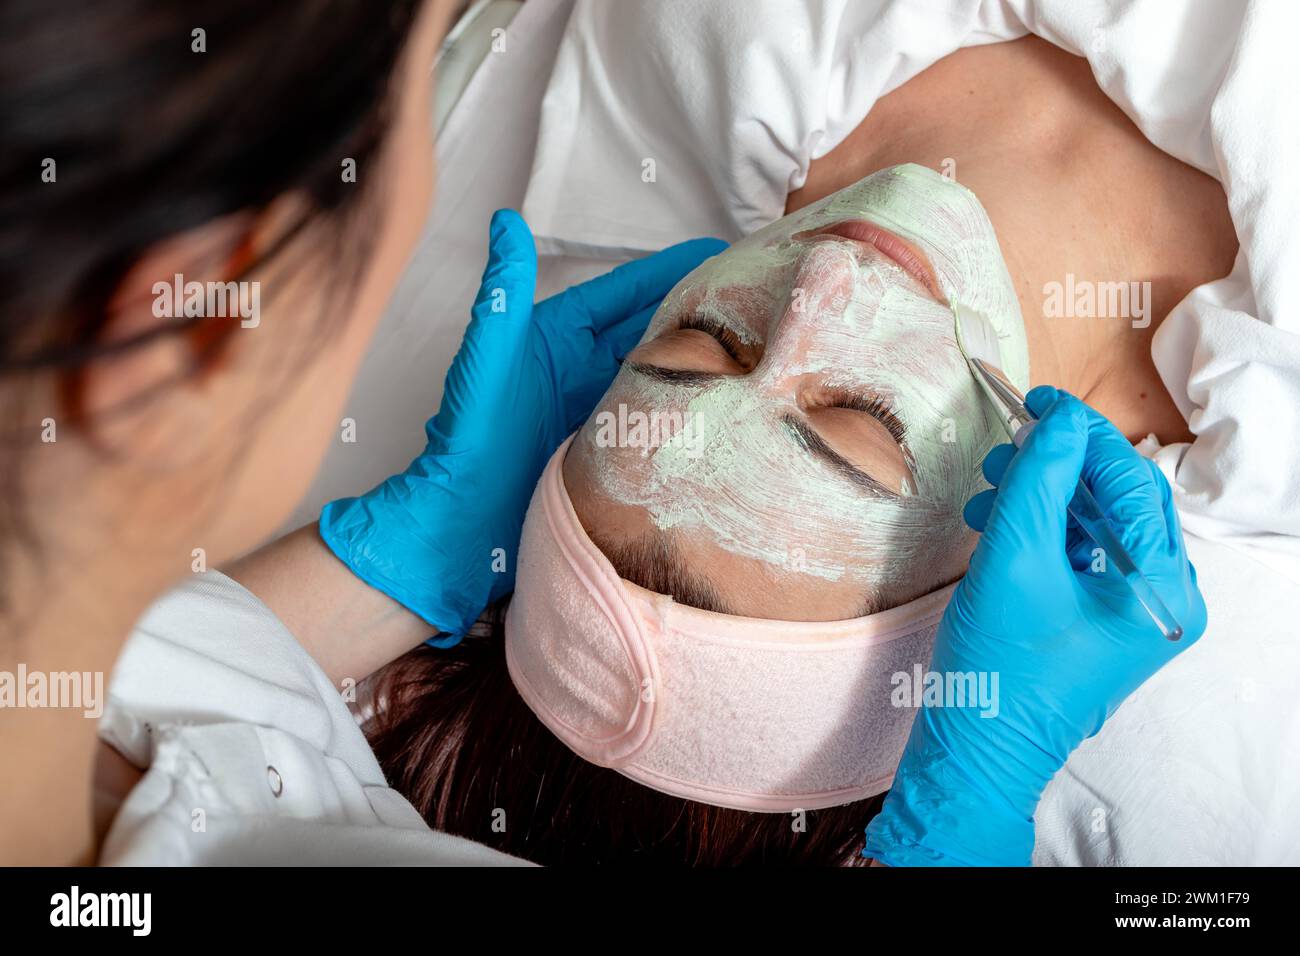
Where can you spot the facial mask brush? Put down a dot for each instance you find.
(978, 341)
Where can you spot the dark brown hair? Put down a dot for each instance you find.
(454, 736)
(152, 134)
(152, 137)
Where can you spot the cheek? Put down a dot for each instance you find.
(274, 462)
(404, 203)
(633, 420)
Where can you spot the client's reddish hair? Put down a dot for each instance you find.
(458, 741)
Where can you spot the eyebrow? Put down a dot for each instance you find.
(820, 449)
(653, 562)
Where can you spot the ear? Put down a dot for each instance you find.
(142, 399)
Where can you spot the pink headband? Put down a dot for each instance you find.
(731, 711)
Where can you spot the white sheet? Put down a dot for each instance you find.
(1198, 767)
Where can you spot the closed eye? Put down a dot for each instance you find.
(859, 434)
(821, 448)
(725, 337)
(874, 406)
(698, 348)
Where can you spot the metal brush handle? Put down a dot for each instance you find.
(1018, 422)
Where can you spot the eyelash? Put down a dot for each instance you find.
(732, 345)
(874, 407)
(724, 336)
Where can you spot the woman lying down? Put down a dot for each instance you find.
(730, 576)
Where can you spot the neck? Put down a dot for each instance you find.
(1080, 200)
(65, 630)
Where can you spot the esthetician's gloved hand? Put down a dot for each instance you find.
(1067, 642)
(441, 537)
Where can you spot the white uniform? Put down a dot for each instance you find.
(253, 756)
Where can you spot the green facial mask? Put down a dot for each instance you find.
(825, 311)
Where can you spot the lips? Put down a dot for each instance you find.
(893, 247)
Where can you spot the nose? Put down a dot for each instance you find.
(823, 284)
(821, 295)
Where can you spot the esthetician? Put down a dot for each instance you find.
(142, 451)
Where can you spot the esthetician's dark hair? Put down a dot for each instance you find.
(117, 132)
(455, 738)
(151, 137)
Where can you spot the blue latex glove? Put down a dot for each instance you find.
(1068, 642)
(436, 537)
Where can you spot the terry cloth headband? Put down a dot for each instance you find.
(736, 712)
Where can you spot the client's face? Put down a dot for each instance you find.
(797, 433)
